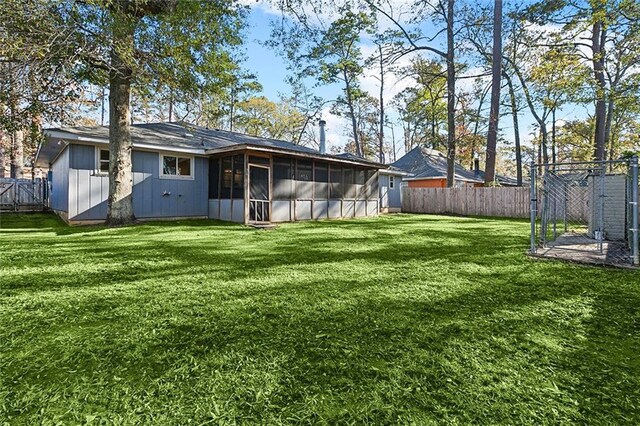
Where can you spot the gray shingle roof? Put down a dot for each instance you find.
(185, 136)
(428, 163)
(182, 135)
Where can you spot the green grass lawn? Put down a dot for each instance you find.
(397, 319)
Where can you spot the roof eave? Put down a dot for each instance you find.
(285, 151)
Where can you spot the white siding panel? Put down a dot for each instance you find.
(238, 211)
(280, 211)
(303, 209)
(214, 209)
(225, 210)
(335, 209)
(320, 209)
(348, 209)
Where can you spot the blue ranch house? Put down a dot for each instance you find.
(182, 171)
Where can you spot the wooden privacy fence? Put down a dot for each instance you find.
(498, 201)
(22, 194)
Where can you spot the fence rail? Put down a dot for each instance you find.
(499, 201)
(22, 194)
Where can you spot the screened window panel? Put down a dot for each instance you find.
(321, 181)
(214, 178)
(349, 186)
(282, 179)
(368, 186)
(335, 187)
(304, 180)
(238, 176)
(227, 177)
(360, 179)
(372, 185)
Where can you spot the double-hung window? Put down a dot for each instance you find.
(102, 161)
(173, 166)
(392, 182)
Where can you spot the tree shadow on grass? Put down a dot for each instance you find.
(482, 342)
(456, 358)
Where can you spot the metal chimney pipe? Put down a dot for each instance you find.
(323, 138)
(476, 166)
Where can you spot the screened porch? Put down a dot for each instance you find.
(256, 187)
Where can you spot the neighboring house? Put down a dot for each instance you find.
(428, 169)
(189, 171)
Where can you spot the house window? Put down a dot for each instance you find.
(176, 167)
(392, 182)
(102, 160)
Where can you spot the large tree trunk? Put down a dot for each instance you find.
(17, 154)
(35, 140)
(597, 47)
(608, 137)
(120, 208)
(451, 99)
(494, 114)
(2, 152)
(516, 128)
(354, 123)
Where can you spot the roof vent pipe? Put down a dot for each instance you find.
(323, 138)
(476, 166)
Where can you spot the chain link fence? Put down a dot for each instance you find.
(586, 211)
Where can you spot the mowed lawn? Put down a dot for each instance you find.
(393, 320)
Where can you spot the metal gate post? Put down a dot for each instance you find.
(534, 207)
(634, 210)
(600, 216)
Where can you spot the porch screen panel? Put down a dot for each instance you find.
(304, 180)
(335, 184)
(214, 178)
(238, 176)
(371, 187)
(349, 186)
(321, 181)
(282, 179)
(360, 179)
(227, 178)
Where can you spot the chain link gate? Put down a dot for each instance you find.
(586, 211)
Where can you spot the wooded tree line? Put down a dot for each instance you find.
(470, 74)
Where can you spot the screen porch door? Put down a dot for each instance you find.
(258, 193)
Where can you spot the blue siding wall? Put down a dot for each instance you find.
(88, 191)
(59, 196)
(83, 157)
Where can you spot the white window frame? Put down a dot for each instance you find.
(392, 181)
(178, 157)
(98, 161)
